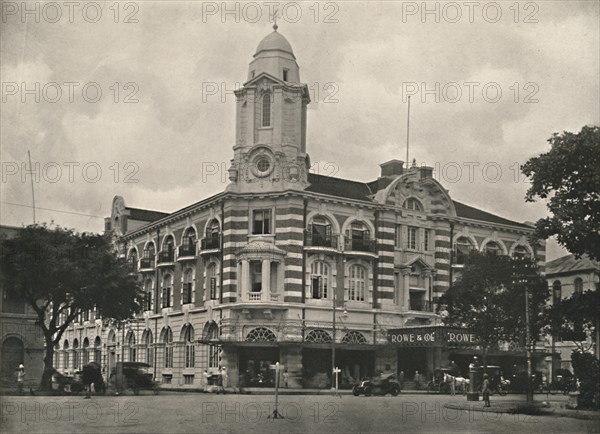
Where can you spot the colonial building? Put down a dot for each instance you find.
(567, 276)
(21, 339)
(248, 277)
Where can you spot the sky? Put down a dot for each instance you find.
(134, 98)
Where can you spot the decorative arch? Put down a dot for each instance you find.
(209, 222)
(210, 332)
(497, 241)
(147, 244)
(97, 342)
(86, 343)
(164, 241)
(521, 244)
(131, 250)
(147, 337)
(187, 333)
(316, 213)
(261, 334)
(413, 203)
(166, 335)
(367, 222)
(112, 337)
(470, 237)
(318, 336)
(186, 230)
(354, 337)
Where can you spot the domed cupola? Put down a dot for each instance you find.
(274, 56)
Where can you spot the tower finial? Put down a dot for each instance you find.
(275, 26)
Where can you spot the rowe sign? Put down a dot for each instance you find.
(432, 336)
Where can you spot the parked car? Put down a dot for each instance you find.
(378, 385)
(133, 375)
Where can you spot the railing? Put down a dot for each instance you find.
(254, 296)
(210, 243)
(147, 262)
(274, 297)
(187, 250)
(361, 245)
(132, 265)
(316, 240)
(168, 256)
(421, 305)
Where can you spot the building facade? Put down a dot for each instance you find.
(248, 277)
(21, 339)
(567, 276)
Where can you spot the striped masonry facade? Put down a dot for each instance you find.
(385, 242)
(289, 237)
(441, 280)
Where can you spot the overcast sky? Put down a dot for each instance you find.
(360, 59)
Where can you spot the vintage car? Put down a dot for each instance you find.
(133, 375)
(378, 385)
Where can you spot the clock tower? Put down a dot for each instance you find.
(270, 149)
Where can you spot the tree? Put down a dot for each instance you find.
(486, 298)
(568, 176)
(61, 274)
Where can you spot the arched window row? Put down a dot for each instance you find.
(356, 277)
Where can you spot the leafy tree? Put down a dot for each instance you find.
(568, 176)
(60, 274)
(486, 299)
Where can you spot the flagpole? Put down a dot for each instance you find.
(407, 130)
(32, 192)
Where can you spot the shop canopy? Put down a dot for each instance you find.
(436, 336)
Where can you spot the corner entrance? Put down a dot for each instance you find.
(255, 364)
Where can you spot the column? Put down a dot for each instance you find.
(406, 288)
(266, 278)
(245, 278)
(427, 279)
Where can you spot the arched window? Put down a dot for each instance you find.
(167, 339)
(357, 283)
(167, 290)
(149, 250)
(463, 248)
(188, 286)
(147, 337)
(13, 354)
(318, 337)
(188, 338)
(358, 237)
(75, 354)
(167, 254)
(521, 252)
(66, 349)
(493, 248)
(212, 283)
(84, 352)
(130, 340)
(266, 110)
(354, 338)
(261, 334)
(556, 291)
(133, 260)
(319, 233)
(319, 279)
(412, 204)
(212, 238)
(578, 285)
(148, 291)
(97, 349)
(214, 349)
(188, 243)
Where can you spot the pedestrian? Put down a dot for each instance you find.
(452, 379)
(401, 380)
(220, 381)
(20, 378)
(286, 377)
(417, 380)
(225, 378)
(485, 389)
(205, 380)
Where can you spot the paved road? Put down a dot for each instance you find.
(249, 414)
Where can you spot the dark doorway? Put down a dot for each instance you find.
(12, 356)
(411, 360)
(255, 365)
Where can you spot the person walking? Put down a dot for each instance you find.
(205, 380)
(485, 390)
(20, 378)
(220, 388)
(417, 380)
(401, 379)
(286, 377)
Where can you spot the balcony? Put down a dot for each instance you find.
(420, 305)
(186, 251)
(258, 296)
(314, 240)
(358, 245)
(210, 244)
(132, 266)
(166, 258)
(147, 263)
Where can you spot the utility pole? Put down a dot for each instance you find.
(528, 344)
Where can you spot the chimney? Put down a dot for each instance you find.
(426, 172)
(392, 168)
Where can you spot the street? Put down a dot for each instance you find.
(186, 412)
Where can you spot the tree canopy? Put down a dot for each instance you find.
(568, 177)
(489, 298)
(61, 273)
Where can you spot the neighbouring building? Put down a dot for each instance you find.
(567, 276)
(248, 277)
(22, 340)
